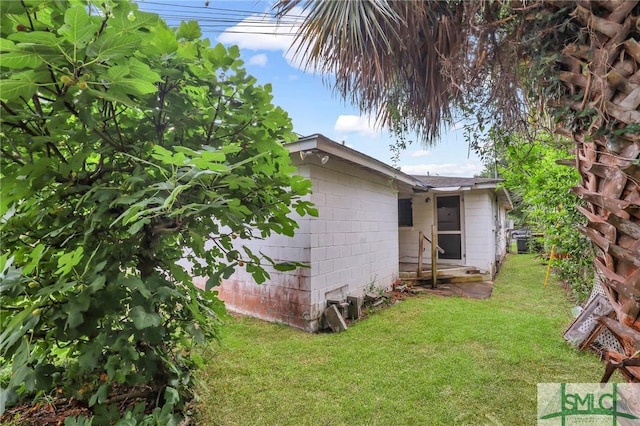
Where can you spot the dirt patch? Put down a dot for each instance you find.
(50, 413)
(54, 411)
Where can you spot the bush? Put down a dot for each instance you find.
(545, 202)
(126, 146)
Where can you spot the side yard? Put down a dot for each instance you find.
(426, 360)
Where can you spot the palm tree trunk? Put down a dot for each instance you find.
(605, 71)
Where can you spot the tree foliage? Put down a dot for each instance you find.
(126, 146)
(547, 205)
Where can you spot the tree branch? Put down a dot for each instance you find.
(158, 120)
(16, 158)
(213, 121)
(28, 15)
(116, 125)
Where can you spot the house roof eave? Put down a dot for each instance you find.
(323, 144)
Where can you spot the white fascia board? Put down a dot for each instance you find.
(504, 196)
(322, 144)
(485, 186)
(450, 188)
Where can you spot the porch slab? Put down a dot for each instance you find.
(446, 274)
(476, 290)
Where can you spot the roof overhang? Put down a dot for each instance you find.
(320, 143)
(504, 198)
(503, 195)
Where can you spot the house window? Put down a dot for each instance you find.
(405, 212)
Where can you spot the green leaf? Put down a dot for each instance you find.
(112, 96)
(34, 259)
(117, 72)
(171, 395)
(90, 356)
(208, 165)
(12, 7)
(74, 319)
(135, 283)
(126, 20)
(17, 327)
(22, 85)
(138, 225)
(100, 396)
(259, 275)
(113, 46)
(140, 70)
(78, 27)
(45, 38)
(43, 374)
(285, 266)
(189, 31)
(143, 319)
(67, 261)
(97, 284)
(218, 55)
(6, 45)
(134, 78)
(18, 60)
(215, 278)
(165, 40)
(11, 279)
(234, 52)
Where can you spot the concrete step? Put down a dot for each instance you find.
(445, 277)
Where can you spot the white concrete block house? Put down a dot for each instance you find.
(369, 218)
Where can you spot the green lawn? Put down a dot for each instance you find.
(427, 360)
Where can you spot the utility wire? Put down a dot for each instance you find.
(227, 18)
(219, 10)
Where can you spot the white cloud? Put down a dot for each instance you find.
(420, 153)
(258, 32)
(293, 77)
(468, 169)
(259, 60)
(263, 32)
(362, 125)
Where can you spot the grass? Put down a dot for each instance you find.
(427, 360)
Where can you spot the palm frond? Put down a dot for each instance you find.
(385, 56)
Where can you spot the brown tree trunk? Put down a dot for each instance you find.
(605, 71)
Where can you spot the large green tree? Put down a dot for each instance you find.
(126, 147)
(513, 66)
(545, 204)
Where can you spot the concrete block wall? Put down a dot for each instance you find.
(286, 296)
(352, 244)
(354, 241)
(480, 232)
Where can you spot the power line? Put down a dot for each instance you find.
(220, 10)
(230, 21)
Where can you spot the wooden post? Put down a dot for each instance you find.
(434, 256)
(420, 250)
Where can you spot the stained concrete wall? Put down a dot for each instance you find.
(354, 241)
(352, 244)
(286, 296)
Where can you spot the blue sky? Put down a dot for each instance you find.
(310, 102)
